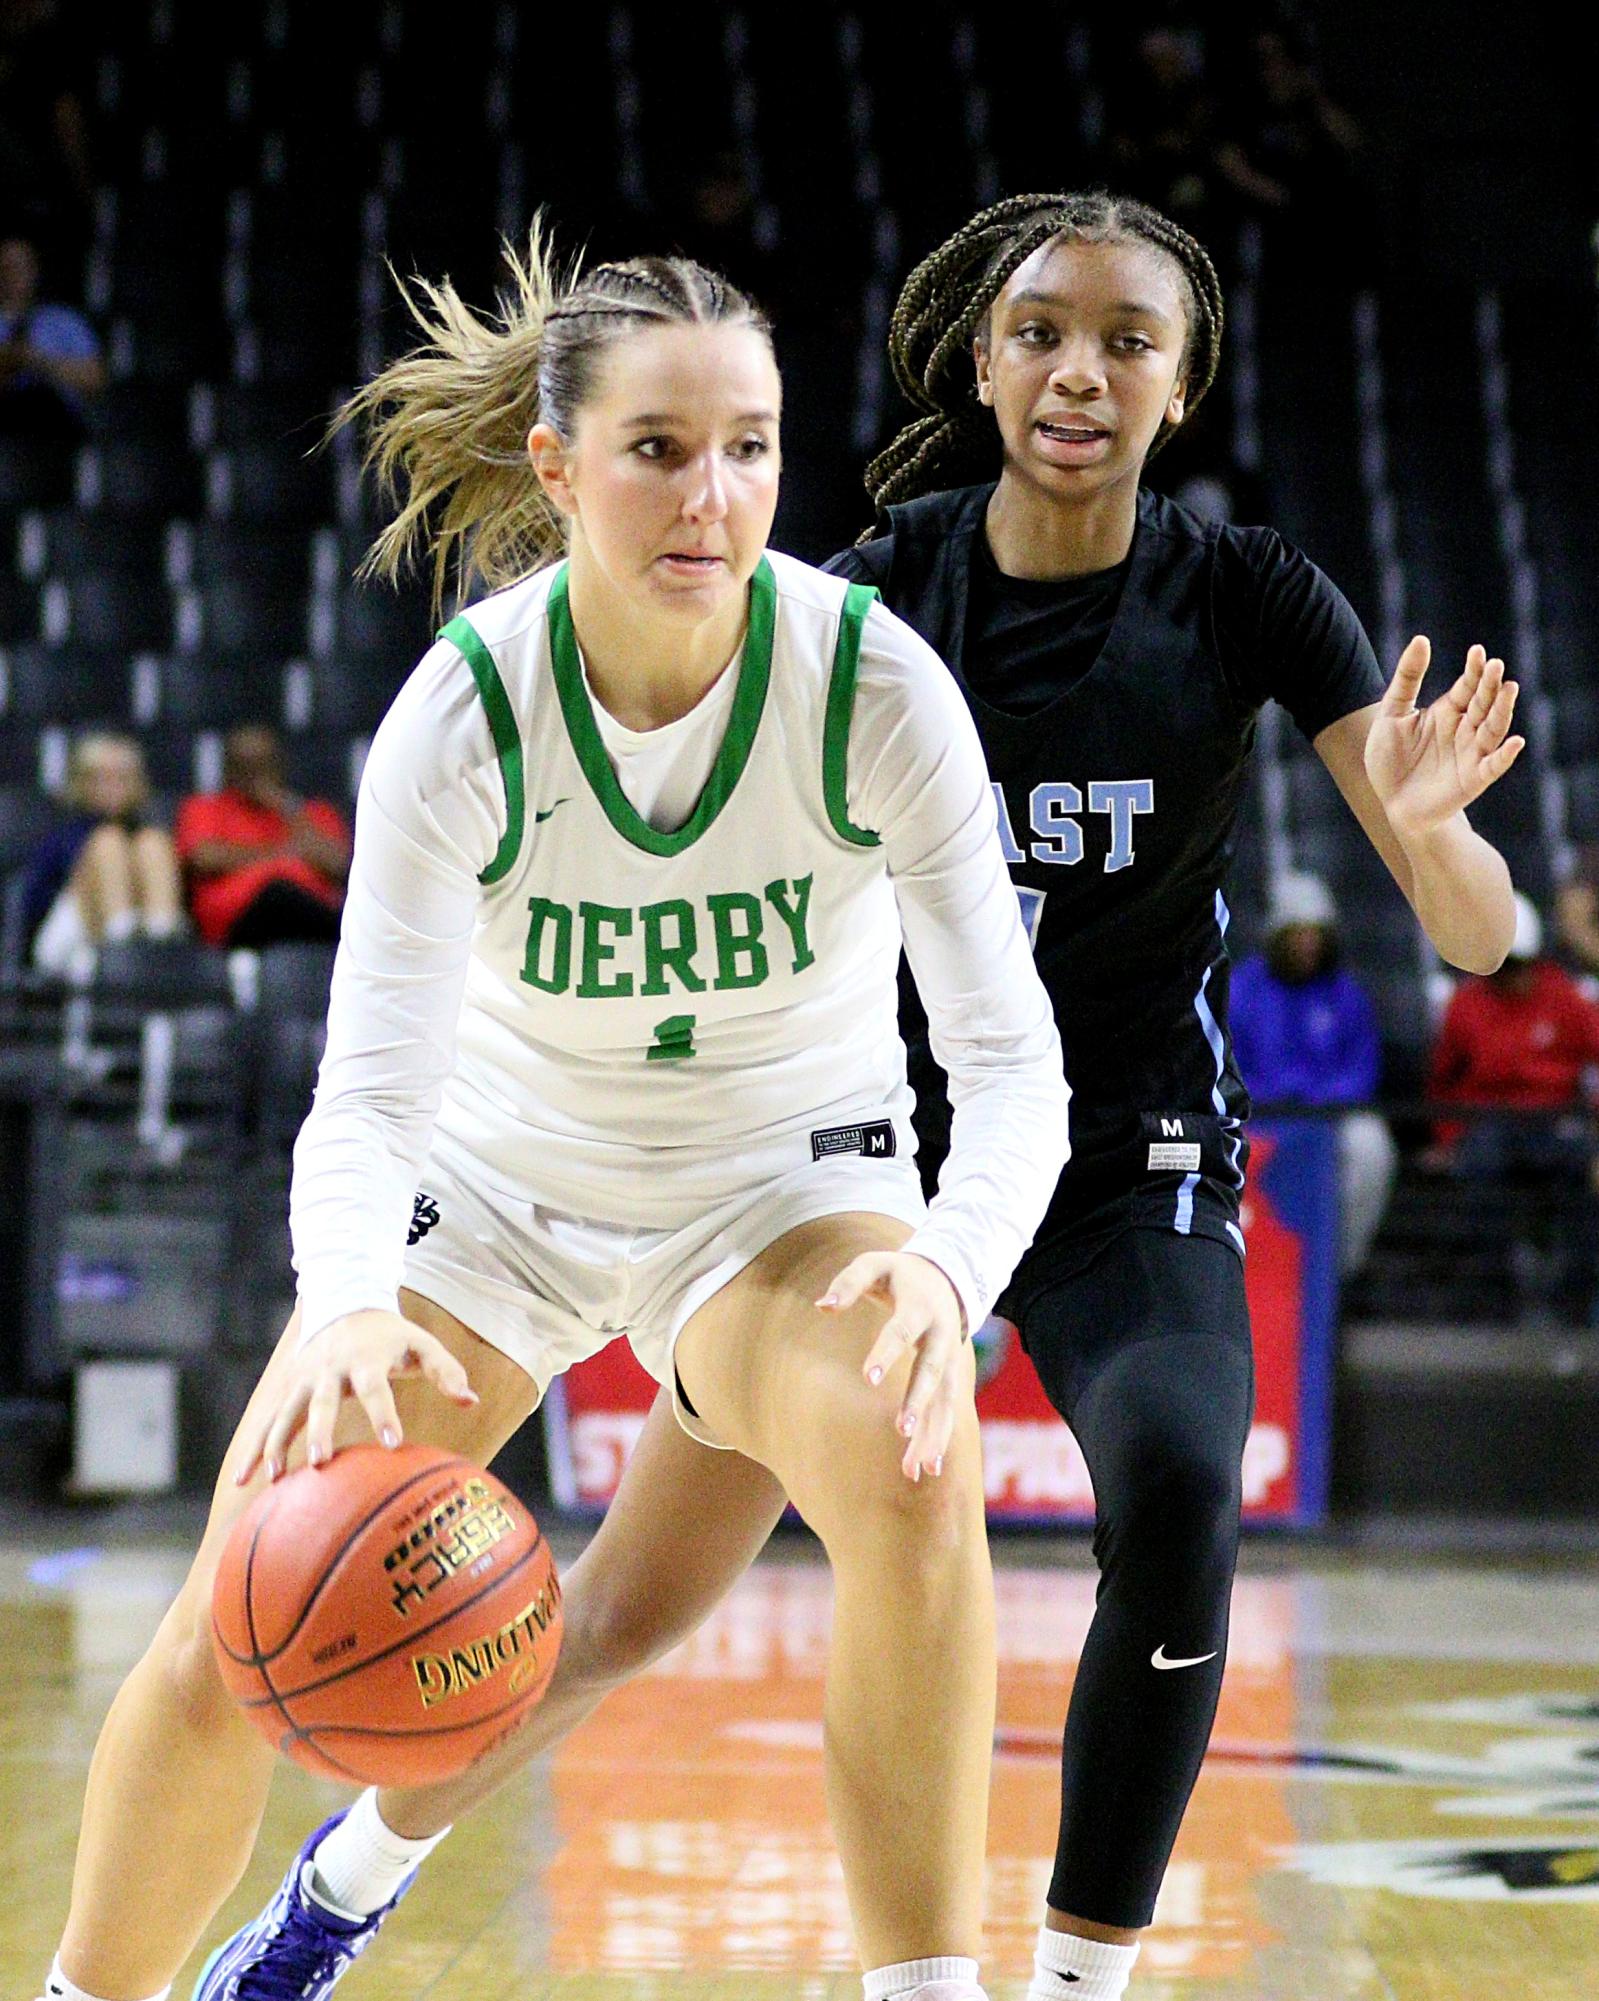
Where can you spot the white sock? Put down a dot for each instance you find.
(359, 1866)
(163, 924)
(121, 924)
(910, 1974)
(1069, 1968)
(59, 1988)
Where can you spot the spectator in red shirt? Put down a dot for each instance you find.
(1525, 1040)
(264, 867)
(1521, 1038)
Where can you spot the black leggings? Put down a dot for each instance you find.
(1145, 1351)
(284, 914)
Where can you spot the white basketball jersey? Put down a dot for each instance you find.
(652, 1015)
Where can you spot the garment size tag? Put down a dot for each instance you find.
(875, 1141)
(1174, 1156)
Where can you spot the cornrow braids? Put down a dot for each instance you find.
(447, 424)
(948, 297)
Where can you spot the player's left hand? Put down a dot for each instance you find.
(1425, 765)
(925, 1315)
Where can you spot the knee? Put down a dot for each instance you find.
(1178, 1493)
(181, 1657)
(107, 846)
(853, 1493)
(152, 849)
(609, 1633)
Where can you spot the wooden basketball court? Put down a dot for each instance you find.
(1401, 1803)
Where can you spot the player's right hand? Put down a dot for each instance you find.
(357, 1356)
(925, 1317)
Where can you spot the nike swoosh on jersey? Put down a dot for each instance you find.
(1158, 1658)
(539, 818)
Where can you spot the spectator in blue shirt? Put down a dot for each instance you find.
(105, 871)
(1306, 1034)
(50, 364)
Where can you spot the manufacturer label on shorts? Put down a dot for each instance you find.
(424, 1214)
(1174, 1156)
(876, 1141)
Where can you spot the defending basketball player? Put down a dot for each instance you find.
(1115, 652)
(636, 851)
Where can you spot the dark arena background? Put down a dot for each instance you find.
(200, 209)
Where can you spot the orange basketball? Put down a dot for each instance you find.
(387, 1617)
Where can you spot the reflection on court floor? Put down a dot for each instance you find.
(1402, 1799)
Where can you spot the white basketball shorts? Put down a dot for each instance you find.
(549, 1289)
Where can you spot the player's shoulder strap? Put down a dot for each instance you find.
(926, 584)
(464, 636)
(841, 683)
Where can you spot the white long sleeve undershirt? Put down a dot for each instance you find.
(429, 819)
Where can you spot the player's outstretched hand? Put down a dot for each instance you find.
(1425, 765)
(925, 1316)
(358, 1356)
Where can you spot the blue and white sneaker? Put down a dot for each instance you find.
(298, 1947)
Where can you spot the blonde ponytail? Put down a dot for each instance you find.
(447, 424)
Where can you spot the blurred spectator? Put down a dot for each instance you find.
(719, 221)
(105, 872)
(1168, 146)
(1306, 1034)
(1301, 148)
(264, 867)
(50, 365)
(46, 180)
(1161, 129)
(1521, 1040)
(1577, 912)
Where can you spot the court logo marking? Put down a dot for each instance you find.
(1536, 1872)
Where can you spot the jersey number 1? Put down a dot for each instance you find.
(674, 1040)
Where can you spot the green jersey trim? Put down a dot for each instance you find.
(463, 636)
(749, 701)
(858, 601)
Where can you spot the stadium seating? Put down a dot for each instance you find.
(192, 566)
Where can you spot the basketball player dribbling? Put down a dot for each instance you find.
(637, 849)
(1115, 651)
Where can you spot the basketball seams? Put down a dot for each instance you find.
(308, 1733)
(249, 1615)
(272, 1557)
(336, 1770)
(416, 1633)
(259, 1659)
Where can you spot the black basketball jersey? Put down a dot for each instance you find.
(1118, 799)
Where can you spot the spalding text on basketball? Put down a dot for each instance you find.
(439, 1676)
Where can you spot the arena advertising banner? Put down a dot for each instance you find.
(1032, 1466)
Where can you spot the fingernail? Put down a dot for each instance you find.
(314, 1455)
(907, 1423)
(390, 1436)
(938, 1463)
(827, 1299)
(916, 1474)
(874, 1377)
(274, 1468)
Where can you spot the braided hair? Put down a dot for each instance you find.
(946, 301)
(447, 424)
